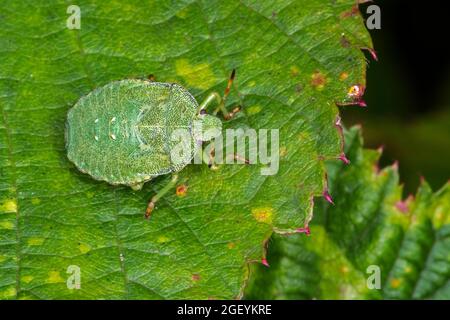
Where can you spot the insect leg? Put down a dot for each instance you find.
(240, 159)
(221, 107)
(159, 195)
(235, 110)
(137, 187)
(210, 161)
(221, 100)
(229, 84)
(209, 99)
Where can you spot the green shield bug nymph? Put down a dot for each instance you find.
(121, 133)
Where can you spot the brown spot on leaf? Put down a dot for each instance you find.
(195, 277)
(181, 190)
(350, 13)
(318, 80)
(231, 245)
(345, 42)
(343, 76)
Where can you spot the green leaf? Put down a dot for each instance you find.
(370, 225)
(428, 133)
(294, 60)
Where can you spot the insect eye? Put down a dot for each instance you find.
(203, 111)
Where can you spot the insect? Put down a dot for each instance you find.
(120, 133)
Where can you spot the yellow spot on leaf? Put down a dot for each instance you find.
(35, 201)
(26, 279)
(395, 283)
(343, 76)
(54, 277)
(182, 13)
(35, 241)
(84, 248)
(7, 225)
(8, 292)
(253, 110)
(162, 239)
(440, 217)
(9, 205)
(294, 71)
(231, 245)
(283, 151)
(344, 269)
(90, 194)
(263, 215)
(198, 76)
(303, 136)
(2, 258)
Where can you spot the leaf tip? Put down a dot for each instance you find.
(306, 230)
(344, 158)
(372, 52)
(402, 206)
(395, 165)
(380, 149)
(362, 103)
(328, 197)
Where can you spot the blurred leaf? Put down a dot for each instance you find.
(421, 146)
(294, 59)
(370, 225)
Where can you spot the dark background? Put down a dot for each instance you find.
(408, 92)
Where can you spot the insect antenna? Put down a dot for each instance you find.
(220, 100)
(221, 106)
(229, 84)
